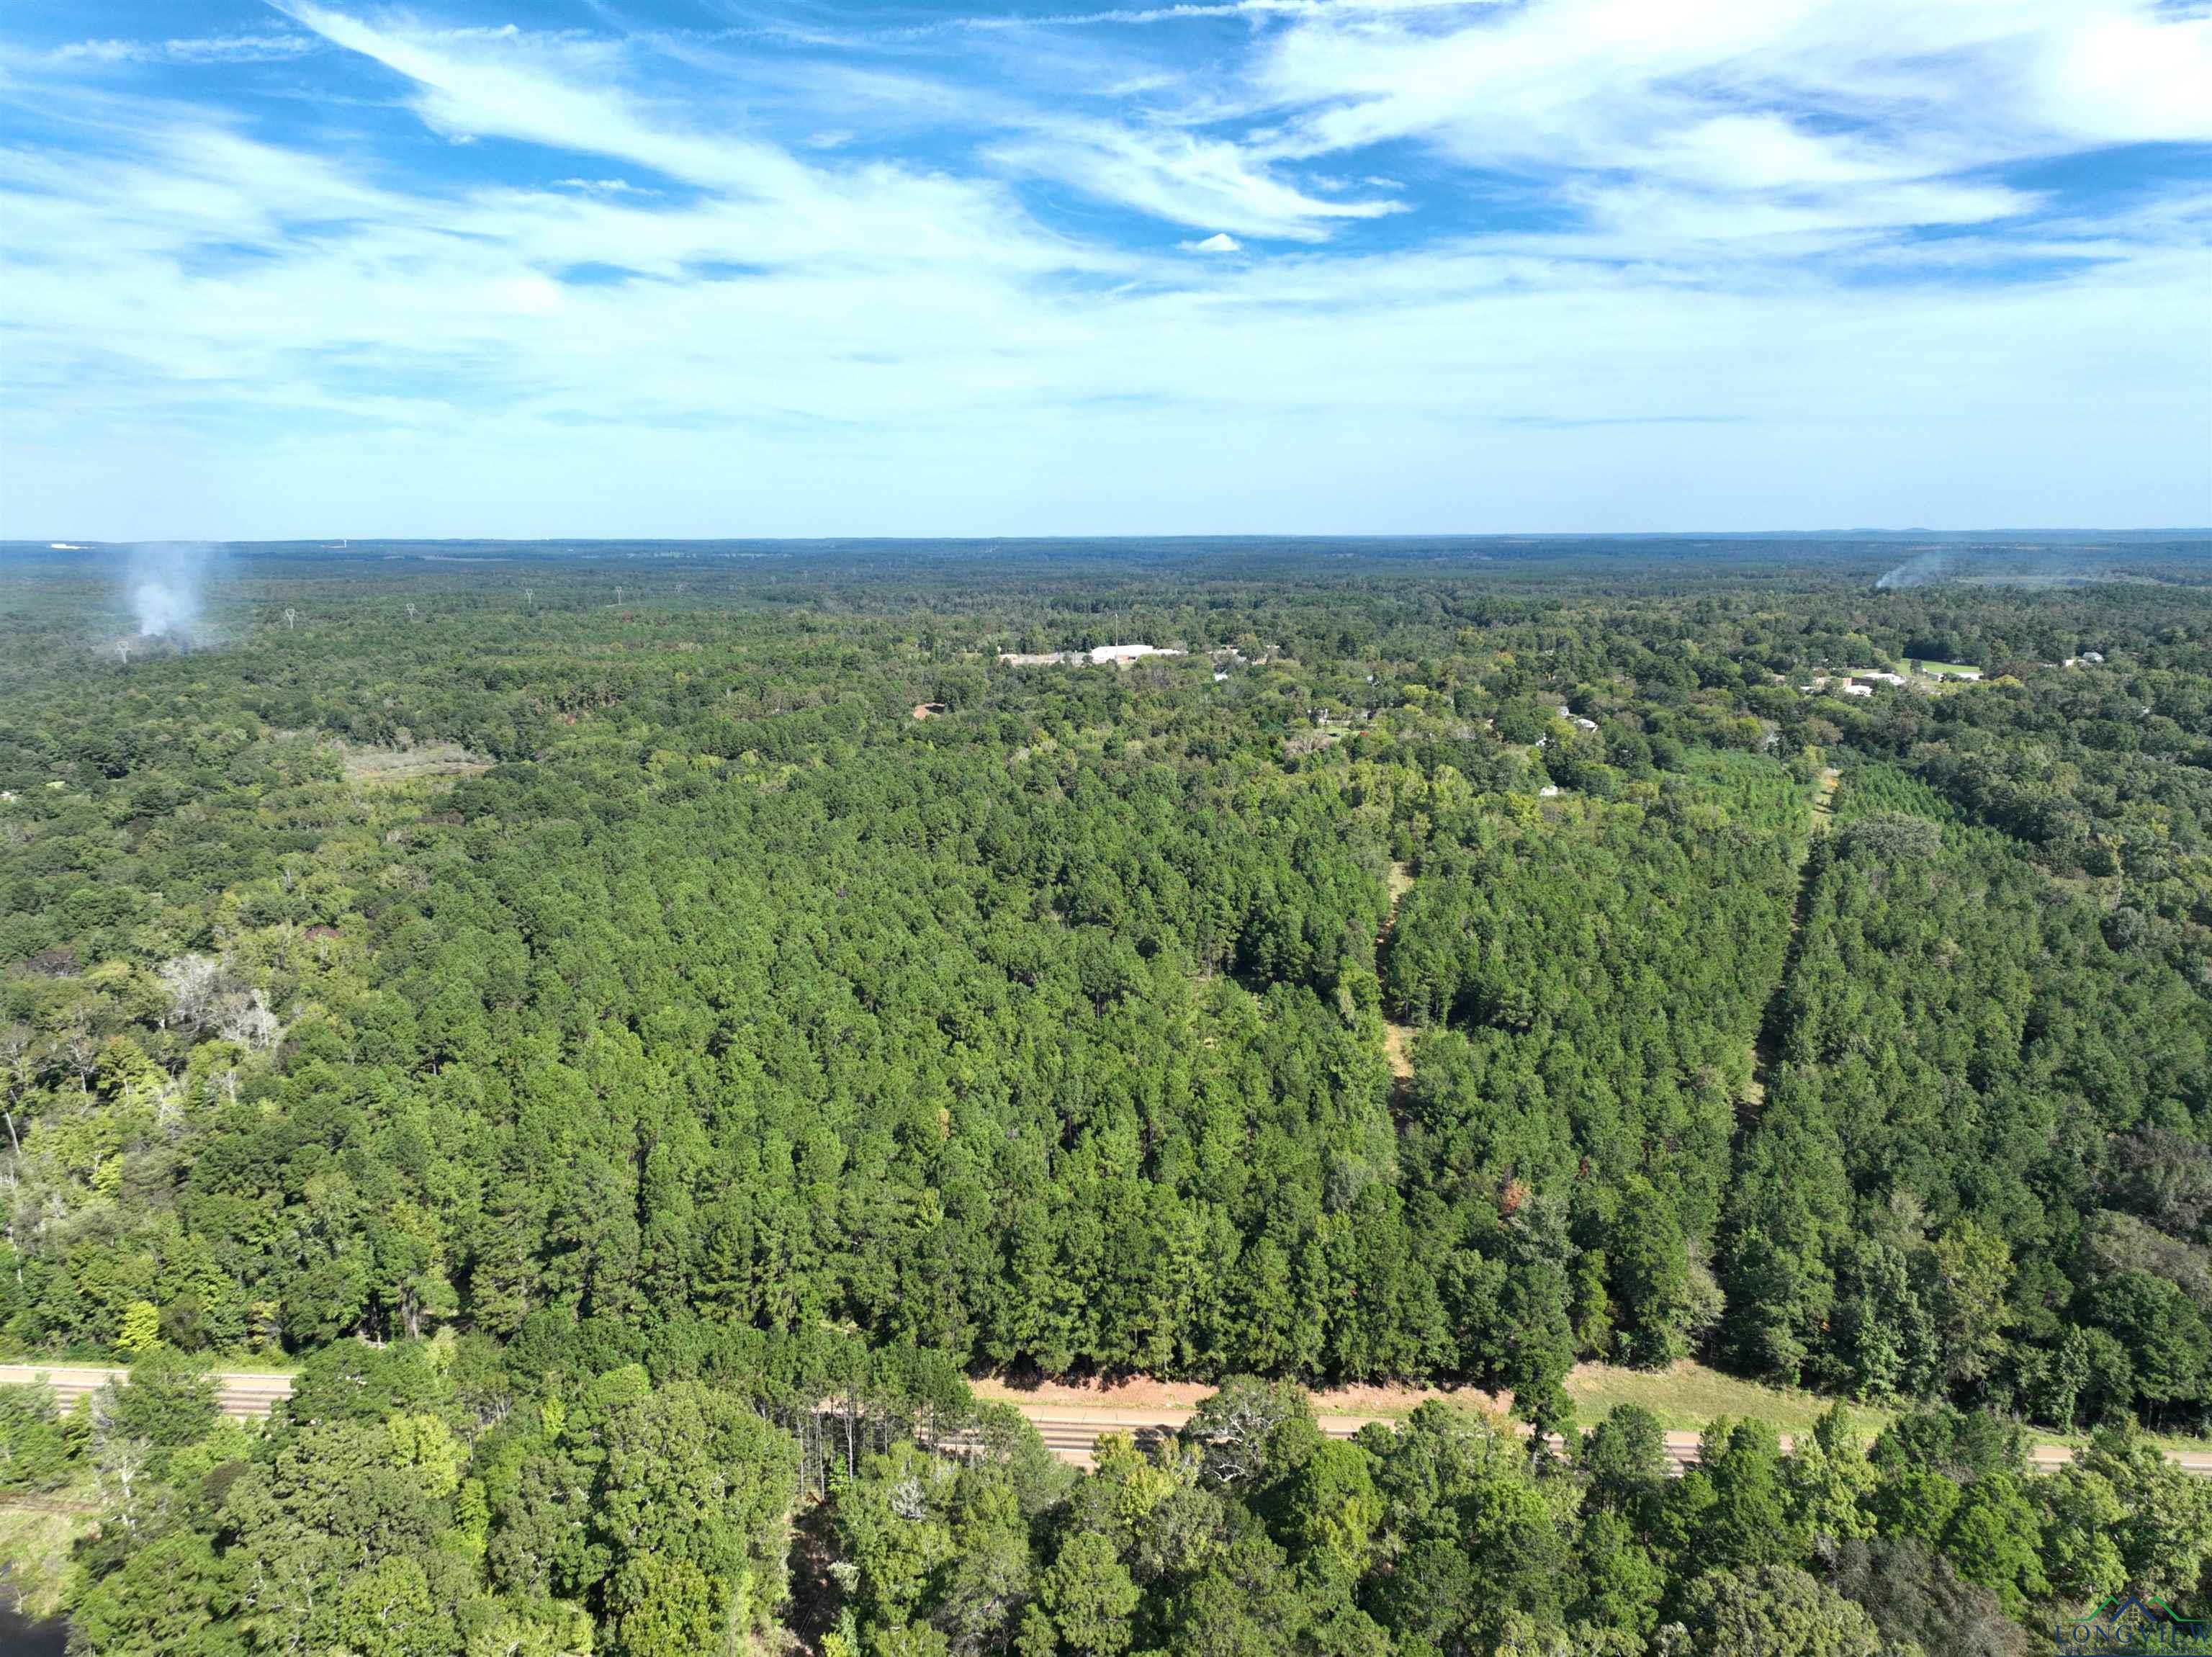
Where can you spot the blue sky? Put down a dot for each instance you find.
(683, 267)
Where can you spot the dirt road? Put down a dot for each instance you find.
(1070, 1431)
(236, 1395)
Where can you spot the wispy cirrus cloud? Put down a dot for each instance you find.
(1264, 10)
(1283, 263)
(1848, 114)
(209, 49)
(1185, 178)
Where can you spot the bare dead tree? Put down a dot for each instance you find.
(16, 1055)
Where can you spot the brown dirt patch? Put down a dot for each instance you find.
(1393, 1399)
(1398, 1049)
(1824, 801)
(409, 765)
(1123, 1393)
(1141, 1393)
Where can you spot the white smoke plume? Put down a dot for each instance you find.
(1931, 566)
(166, 582)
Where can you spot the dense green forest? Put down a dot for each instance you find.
(608, 1011)
(442, 1496)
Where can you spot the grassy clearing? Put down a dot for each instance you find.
(1823, 796)
(2174, 1443)
(34, 1556)
(367, 764)
(1687, 1395)
(1684, 1397)
(1398, 1050)
(1397, 1038)
(1948, 669)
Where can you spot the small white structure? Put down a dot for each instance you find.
(2093, 656)
(1876, 676)
(1858, 690)
(1582, 724)
(1549, 791)
(1120, 656)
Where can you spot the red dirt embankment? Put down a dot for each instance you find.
(1143, 1392)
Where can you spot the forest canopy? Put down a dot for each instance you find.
(613, 975)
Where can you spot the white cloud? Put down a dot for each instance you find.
(259, 338)
(213, 49)
(576, 95)
(1694, 93)
(1179, 176)
(1779, 128)
(543, 90)
(1180, 13)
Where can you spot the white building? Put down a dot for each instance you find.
(1121, 653)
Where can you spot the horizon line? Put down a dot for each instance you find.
(360, 542)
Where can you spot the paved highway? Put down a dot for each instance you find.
(1070, 1431)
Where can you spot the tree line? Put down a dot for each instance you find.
(442, 1498)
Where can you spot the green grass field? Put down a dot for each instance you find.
(35, 1554)
(1946, 669)
(1687, 1395)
